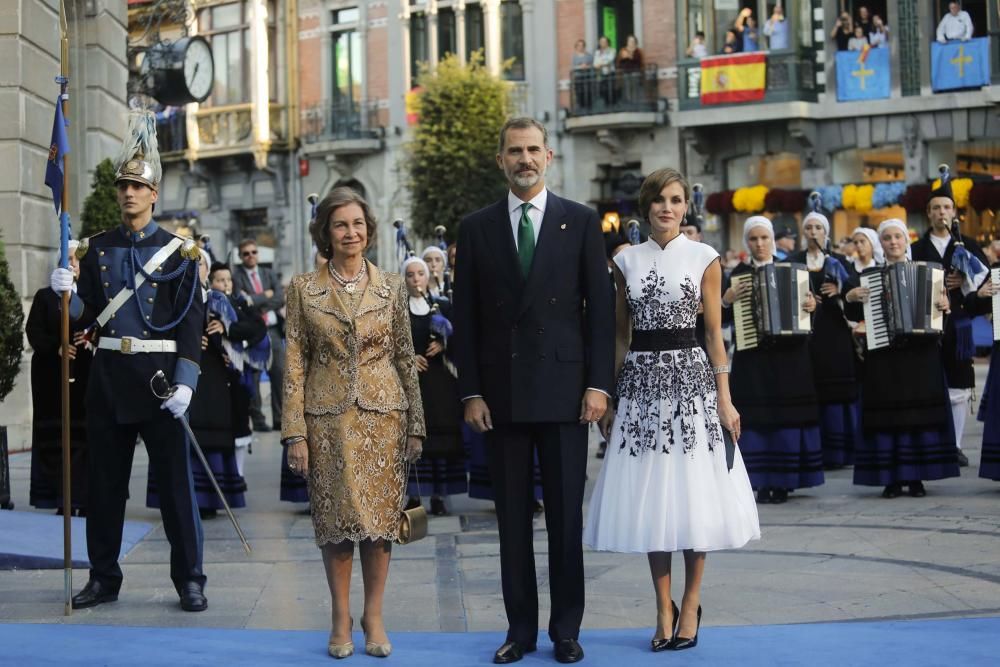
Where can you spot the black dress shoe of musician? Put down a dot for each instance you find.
(963, 460)
(682, 643)
(192, 597)
(917, 489)
(93, 594)
(764, 496)
(568, 650)
(779, 496)
(437, 506)
(892, 491)
(512, 651)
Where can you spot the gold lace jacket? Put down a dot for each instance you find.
(334, 359)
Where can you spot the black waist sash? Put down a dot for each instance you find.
(659, 340)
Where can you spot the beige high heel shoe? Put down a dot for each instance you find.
(340, 651)
(375, 649)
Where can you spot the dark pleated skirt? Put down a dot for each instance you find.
(840, 432)
(989, 414)
(479, 471)
(438, 476)
(895, 457)
(783, 458)
(294, 489)
(227, 475)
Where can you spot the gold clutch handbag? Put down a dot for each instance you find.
(412, 522)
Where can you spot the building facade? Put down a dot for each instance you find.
(30, 51)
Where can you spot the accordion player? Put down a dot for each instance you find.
(773, 306)
(902, 301)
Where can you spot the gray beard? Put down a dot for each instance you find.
(526, 180)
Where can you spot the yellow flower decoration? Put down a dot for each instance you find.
(960, 188)
(751, 199)
(849, 197)
(863, 198)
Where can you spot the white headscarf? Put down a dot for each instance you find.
(418, 304)
(815, 215)
(414, 260)
(900, 225)
(757, 221)
(877, 253)
(432, 249)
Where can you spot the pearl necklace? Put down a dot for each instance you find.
(349, 284)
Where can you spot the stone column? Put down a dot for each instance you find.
(532, 72)
(591, 30)
(460, 45)
(398, 26)
(637, 23)
(491, 19)
(432, 33)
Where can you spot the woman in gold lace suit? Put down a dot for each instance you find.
(352, 415)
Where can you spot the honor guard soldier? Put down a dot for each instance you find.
(139, 288)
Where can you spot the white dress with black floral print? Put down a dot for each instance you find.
(665, 485)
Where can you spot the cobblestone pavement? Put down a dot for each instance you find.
(834, 553)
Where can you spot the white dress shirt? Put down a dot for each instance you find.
(535, 213)
(955, 26)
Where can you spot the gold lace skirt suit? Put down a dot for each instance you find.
(351, 389)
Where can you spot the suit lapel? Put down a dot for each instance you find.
(376, 294)
(321, 295)
(545, 249)
(501, 241)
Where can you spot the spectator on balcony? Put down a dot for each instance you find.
(864, 19)
(776, 29)
(879, 35)
(956, 24)
(746, 28)
(582, 73)
(697, 48)
(859, 41)
(630, 56)
(604, 65)
(843, 31)
(732, 43)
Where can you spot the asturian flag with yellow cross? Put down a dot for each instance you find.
(863, 75)
(956, 64)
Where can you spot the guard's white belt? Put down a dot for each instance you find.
(129, 345)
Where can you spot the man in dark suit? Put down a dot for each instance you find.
(534, 332)
(957, 348)
(264, 289)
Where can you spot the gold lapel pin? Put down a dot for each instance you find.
(562, 226)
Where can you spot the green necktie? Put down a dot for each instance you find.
(525, 240)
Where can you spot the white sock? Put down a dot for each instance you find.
(959, 409)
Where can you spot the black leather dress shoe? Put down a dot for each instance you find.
(511, 651)
(93, 594)
(569, 650)
(963, 460)
(192, 597)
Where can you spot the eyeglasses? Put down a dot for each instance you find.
(247, 253)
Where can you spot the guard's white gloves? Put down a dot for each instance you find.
(61, 280)
(178, 402)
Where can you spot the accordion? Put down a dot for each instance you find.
(773, 306)
(902, 301)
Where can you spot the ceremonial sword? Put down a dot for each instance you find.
(162, 390)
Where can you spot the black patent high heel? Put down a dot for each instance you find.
(667, 642)
(681, 643)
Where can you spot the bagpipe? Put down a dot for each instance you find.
(833, 271)
(441, 327)
(444, 284)
(962, 260)
(244, 357)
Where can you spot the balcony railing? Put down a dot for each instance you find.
(789, 78)
(229, 129)
(593, 93)
(171, 132)
(339, 120)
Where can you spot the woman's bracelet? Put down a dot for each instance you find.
(719, 370)
(292, 440)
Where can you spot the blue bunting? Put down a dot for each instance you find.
(888, 194)
(833, 196)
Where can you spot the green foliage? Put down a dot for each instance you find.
(452, 165)
(11, 323)
(100, 209)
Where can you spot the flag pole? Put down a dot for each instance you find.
(63, 81)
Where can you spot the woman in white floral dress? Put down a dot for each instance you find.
(665, 485)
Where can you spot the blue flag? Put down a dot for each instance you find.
(59, 147)
(863, 75)
(957, 64)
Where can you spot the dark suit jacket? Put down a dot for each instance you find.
(531, 347)
(268, 281)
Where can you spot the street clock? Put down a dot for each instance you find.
(179, 72)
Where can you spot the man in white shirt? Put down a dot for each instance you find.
(956, 24)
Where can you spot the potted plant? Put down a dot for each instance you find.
(11, 346)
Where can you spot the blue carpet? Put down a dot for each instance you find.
(974, 641)
(34, 540)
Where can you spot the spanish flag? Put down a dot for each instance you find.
(733, 78)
